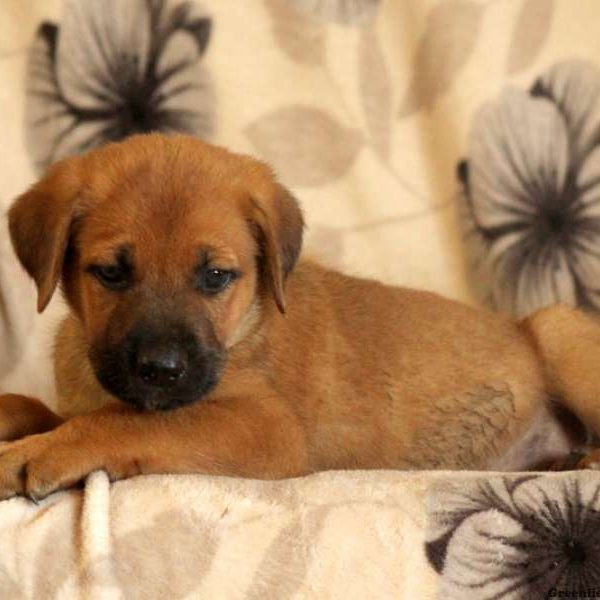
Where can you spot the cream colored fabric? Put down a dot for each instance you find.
(364, 107)
(335, 535)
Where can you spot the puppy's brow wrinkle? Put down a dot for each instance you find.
(203, 256)
(125, 252)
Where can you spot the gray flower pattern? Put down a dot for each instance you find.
(345, 12)
(532, 192)
(113, 69)
(515, 539)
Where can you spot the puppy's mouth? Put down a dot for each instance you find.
(153, 390)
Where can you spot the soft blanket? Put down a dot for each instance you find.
(368, 109)
(361, 534)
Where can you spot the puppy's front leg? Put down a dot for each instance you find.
(250, 437)
(21, 416)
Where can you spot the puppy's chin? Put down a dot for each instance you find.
(161, 401)
(112, 374)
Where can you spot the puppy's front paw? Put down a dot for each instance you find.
(18, 465)
(38, 465)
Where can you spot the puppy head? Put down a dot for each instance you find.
(170, 252)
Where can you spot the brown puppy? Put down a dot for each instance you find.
(178, 261)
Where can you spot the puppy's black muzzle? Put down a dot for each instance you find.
(158, 369)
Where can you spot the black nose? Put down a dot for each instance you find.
(160, 366)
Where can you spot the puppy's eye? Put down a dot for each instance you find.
(113, 277)
(215, 280)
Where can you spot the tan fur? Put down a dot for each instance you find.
(324, 371)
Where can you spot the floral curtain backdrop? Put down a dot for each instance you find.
(445, 144)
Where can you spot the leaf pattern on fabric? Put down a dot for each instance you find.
(36, 562)
(307, 146)
(97, 79)
(298, 36)
(292, 558)
(9, 585)
(447, 43)
(375, 90)
(196, 540)
(507, 539)
(345, 12)
(53, 544)
(530, 32)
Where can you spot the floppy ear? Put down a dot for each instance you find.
(279, 226)
(40, 221)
